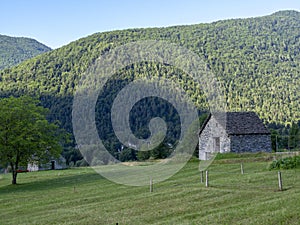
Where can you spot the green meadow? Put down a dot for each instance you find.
(82, 196)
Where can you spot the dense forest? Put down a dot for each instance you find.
(14, 50)
(256, 61)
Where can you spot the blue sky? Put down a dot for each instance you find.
(58, 22)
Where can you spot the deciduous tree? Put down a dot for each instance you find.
(25, 134)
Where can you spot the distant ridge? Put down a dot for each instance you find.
(286, 13)
(14, 50)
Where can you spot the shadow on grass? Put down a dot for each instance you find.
(64, 180)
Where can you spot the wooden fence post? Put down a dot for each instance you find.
(242, 168)
(206, 178)
(151, 185)
(201, 176)
(280, 181)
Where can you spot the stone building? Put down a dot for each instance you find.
(54, 164)
(233, 132)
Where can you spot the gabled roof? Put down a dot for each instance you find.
(239, 123)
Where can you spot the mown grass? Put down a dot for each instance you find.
(81, 196)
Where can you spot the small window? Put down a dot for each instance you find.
(216, 124)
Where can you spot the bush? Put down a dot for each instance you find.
(143, 155)
(285, 163)
(81, 163)
(127, 155)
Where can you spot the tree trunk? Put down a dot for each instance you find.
(14, 177)
(14, 173)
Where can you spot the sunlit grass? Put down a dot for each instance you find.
(81, 196)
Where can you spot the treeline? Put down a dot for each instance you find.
(256, 61)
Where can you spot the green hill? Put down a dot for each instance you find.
(14, 50)
(257, 61)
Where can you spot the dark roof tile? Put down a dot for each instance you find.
(239, 123)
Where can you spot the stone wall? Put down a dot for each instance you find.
(250, 143)
(232, 143)
(207, 143)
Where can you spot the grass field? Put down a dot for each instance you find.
(81, 196)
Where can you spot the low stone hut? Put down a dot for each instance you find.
(233, 132)
(54, 164)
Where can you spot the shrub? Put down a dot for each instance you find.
(127, 155)
(81, 163)
(143, 155)
(285, 163)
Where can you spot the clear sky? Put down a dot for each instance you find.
(58, 22)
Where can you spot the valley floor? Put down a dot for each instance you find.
(81, 196)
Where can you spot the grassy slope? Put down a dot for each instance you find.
(49, 198)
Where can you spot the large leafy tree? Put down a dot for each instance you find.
(25, 134)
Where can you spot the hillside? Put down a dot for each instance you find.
(14, 50)
(257, 61)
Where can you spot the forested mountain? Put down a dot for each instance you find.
(14, 50)
(257, 61)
